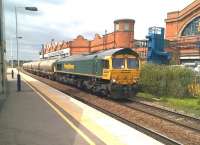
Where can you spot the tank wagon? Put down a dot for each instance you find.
(113, 72)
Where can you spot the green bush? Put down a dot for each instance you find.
(163, 80)
(199, 102)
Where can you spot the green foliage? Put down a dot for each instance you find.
(186, 104)
(146, 96)
(198, 102)
(189, 105)
(163, 80)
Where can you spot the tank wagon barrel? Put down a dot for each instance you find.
(46, 68)
(35, 67)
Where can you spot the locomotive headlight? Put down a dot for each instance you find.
(113, 80)
(135, 80)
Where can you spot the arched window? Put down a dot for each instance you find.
(193, 28)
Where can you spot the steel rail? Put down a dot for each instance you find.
(176, 117)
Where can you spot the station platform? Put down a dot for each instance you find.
(41, 115)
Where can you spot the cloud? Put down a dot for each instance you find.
(36, 28)
(65, 19)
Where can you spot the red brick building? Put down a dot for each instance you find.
(182, 33)
(183, 30)
(122, 36)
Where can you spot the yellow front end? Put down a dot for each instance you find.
(125, 76)
(120, 72)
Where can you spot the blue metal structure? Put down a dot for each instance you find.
(156, 53)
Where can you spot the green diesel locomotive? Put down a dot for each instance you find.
(113, 73)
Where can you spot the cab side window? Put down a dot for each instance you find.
(105, 64)
(59, 66)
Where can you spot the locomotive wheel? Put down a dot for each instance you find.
(79, 84)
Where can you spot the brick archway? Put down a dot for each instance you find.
(176, 21)
(186, 24)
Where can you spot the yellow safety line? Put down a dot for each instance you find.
(87, 139)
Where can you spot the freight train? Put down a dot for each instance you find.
(113, 73)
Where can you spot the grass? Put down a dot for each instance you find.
(190, 105)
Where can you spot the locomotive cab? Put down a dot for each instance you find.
(121, 69)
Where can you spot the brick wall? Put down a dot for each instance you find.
(121, 37)
(176, 21)
(175, 24)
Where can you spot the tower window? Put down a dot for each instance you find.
(126, 26)
(117, 27)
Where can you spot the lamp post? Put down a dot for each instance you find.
(17, 37)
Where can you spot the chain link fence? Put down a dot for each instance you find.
(194, 88)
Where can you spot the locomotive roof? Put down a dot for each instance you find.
(100, 55)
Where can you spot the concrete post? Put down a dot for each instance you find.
(2, 53)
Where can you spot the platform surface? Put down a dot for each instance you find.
(26, 119)
(54, 118)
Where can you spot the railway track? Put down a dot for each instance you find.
(162, 138)
(161, 129)
(171, 116)
(149, 132)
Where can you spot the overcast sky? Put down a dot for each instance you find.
(65, 19)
